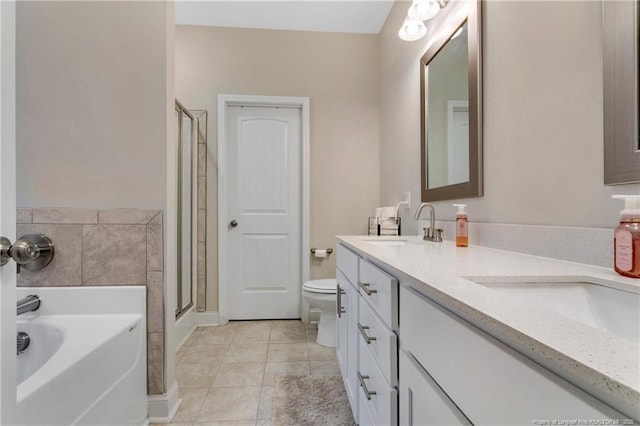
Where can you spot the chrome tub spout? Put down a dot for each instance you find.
(28, 304)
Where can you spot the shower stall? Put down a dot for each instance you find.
(186, 131)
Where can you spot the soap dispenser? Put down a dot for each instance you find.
(462, 226)
(626, 238)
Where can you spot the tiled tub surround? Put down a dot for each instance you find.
(105, 247)
(602, 364)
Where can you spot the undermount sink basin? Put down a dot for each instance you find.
(609, 309)
(380, 242)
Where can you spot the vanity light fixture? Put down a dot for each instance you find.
(413, 27)
(423, 9)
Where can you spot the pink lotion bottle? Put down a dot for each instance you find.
(626, 238)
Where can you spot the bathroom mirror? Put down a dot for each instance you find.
(620, 50)
(451, 109)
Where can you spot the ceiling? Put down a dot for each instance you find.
(348, 16)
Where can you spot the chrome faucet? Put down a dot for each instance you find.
(431, 233)
(28, 304)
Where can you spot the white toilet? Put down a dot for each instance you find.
(321, 294)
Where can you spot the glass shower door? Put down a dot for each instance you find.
(185, 145)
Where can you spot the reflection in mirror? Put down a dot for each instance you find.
(620, 51)
(448, 114)
(451, 108)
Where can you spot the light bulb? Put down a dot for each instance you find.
(412, 29)
(423, 9)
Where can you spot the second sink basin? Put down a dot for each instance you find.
(609, 309)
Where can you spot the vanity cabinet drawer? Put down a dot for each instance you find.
(380, 399)
(422, 402)
(380, 290)
(379, 340)
(347, 262)
(364, 416)
(488, 381)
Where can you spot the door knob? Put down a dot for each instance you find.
(233, 223)
(32, 252)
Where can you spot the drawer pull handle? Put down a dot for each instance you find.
(364, 286)
(339, 309)
(362, 329)
(363, 385)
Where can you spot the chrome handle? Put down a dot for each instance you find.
(233, 223)
(30, 303)
(362, 329)
(23, 252)
(339, 309)
(32, 251)
(364, 286)
(363, 385)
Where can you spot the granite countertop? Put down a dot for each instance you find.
(603, 364)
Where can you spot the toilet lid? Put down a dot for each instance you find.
(321, 286)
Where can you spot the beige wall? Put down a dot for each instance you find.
(542, 115)
(94, 111)
(338, 72)
(91, 96)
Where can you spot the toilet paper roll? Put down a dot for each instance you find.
(320, 253)
(388, 211)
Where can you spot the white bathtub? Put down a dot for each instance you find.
(86, 363)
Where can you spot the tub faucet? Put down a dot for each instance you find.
(431, 233)
(28, 304)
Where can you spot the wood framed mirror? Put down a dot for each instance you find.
(451, 108)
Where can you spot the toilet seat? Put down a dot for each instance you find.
(327, 286)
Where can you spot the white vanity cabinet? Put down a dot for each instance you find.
(347, 323)
(422, 401)
(434, 348)
(367, 343)
(461, 374)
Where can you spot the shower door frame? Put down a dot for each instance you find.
(180, 309)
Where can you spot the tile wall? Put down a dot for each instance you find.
(105, 247)
(201, 283)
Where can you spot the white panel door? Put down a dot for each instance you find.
(458, 141)
(264, 210)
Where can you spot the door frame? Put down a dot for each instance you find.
(224, 101)
(8, 208)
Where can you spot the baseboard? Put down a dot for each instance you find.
(162, 408)
(201, 319)
(184, 327)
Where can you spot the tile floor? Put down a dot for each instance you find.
(227, 374)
